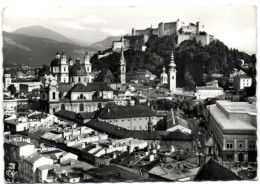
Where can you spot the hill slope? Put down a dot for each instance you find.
(194, 63)
(23, 49)
(106, 43)
(42, 32)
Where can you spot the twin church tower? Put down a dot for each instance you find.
(170, 79)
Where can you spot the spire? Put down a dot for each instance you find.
(172, 63)
(86, 55)
(63, 52)
(57, 53)
(163, 69)
(122, 58)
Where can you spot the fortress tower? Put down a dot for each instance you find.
(122, 68)
(172, 75)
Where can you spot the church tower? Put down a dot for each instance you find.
(164, 77)
(122, 68)
(87, 64)
(64, 69)
(172, 74)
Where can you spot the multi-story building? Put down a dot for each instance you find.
(211, 90)
(130, 117)
(241, 82)
(28, 171)
(15, 149)
(233, 126)
(9, 106)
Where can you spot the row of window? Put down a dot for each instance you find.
(230, 146)
(230, 156)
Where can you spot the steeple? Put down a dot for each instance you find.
(122, 58)
(87, 63)
(172, 63)
(172, 74)
(122, 68)
(63, 56)
(86, 55)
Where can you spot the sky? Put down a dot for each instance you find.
(234, 25)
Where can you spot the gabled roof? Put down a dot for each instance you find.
(137, 134)
(85, 115)
(114, 112)
(79, 88)
(214, 171)
(64, 87)
(66, 114)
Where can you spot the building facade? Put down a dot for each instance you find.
(241, 82)
(233, 126)
(211, 90)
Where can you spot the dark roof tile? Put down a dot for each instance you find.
(214, 171)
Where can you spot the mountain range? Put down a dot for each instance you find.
(106, 43)
(37, 45)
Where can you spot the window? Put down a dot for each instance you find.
(53, 95)
(72, 80)
(229, 156)
(62, 107)
(43, 96)
(81, 96)
(81, 107)
(172, 77)
(64, 69)
(230, 145)
(79, 79)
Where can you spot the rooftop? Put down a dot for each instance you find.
(137, 134)
(213, 171)
(238, 116)
(66, 114)
(113, 112)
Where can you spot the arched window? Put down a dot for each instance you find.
(88, 69)
(81, 107)
(53, 110)
(123, 68)
(53, 95)
(63, 107)
(72, 79)
(43, 96)
(85, 79)
(79, 79)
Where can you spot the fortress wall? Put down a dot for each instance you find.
(182, 38)
(203, 39)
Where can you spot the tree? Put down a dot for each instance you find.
(189, 82)
(12, 88)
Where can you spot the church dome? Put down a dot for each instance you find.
(55, 62)
(77, 69)
(164, 74)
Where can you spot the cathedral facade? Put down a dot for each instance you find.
(70, 86)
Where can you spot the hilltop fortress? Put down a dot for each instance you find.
(182, 32)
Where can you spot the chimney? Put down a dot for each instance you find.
(151, 158)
